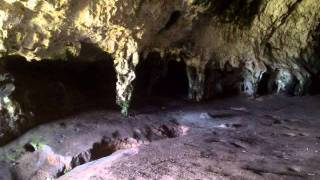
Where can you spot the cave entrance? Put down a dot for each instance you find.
(174, 83)
(222, 83)
(53, 88)
(265, 84)
(315, 85)
(159, 77)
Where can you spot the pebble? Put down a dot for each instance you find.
(205, 116)
(290, 134)
(295, 169)
(239, 109)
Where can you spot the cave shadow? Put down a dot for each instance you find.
(221, 84)
(267, 84)
(50, 86)
(159, 81)
(236, 11)
(49, 90)
(314, 88)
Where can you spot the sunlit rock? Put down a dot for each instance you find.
(11, 115)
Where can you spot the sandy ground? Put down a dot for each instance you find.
(271, 137)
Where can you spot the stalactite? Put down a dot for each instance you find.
(252, 75)
(196, 77)
(125, 68)
(284, 81)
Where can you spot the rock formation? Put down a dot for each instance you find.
(259, 37)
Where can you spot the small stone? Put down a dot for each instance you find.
(295, 169)
(304, 134)
(290, 134)
(205, 116)
(223, 126)
(137, 134)
(243, 109)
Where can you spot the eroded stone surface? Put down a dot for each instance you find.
(265, 138)
(11, 115)
(280, 35)
(258, 36)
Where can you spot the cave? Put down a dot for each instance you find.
(162, 78)
(174, 83)
(157, 89)
(266, 85)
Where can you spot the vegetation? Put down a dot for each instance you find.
(125, 108)
(37, 143)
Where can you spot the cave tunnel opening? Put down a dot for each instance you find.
(174, 83)
(222, 83)
(172, 20)
(161, 78)
(314, 88)
(50, 88)
(265, 85)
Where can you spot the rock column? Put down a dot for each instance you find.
(196, 77)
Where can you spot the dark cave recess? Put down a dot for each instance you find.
(157, 77)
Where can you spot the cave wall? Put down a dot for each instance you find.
(42, 91)
(248, 38)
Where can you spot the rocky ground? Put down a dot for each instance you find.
(270, 137)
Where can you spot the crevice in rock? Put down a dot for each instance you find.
(280, 21)
(235, 11)
(107, 146)
(172, 20)
(100, 149)
(264, 86)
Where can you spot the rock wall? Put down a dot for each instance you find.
(11, 115)
(280, 38)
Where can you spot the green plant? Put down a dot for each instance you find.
(37, 143)
(66, 170)
(125, 108)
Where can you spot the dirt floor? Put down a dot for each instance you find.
(271, 137)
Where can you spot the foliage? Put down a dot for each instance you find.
(125, 108)
(37, 143)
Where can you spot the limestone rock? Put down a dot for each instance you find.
(11, 115)
(41, 164)
(256, 37)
